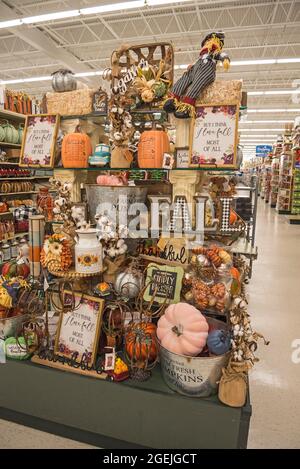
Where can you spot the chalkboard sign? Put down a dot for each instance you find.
(38, 146)
(78, 330)
(164, 282)
(213, 140)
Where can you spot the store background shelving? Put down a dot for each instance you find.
(283, 205)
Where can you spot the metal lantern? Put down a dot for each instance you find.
(63, 80)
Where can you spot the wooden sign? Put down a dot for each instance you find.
(38, 147)
(213, 139)
(79, 330)
(164, 282)
(100, 102)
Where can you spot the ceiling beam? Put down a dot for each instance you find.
(36, 38)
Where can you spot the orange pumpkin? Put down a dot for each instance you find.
(232, 217)
(76, 149)
(235, 273)
(136, 342)
(152, 146)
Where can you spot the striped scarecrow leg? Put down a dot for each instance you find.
(203, 75)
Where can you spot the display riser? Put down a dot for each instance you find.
(118, 415)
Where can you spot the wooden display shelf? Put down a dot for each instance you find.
(5, 213)
(159, 417)
(12, 145)
(18, 235)
(5, 114)
(27, 192)
(23, 178)
(9, 163)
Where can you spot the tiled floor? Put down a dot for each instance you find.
(275, 380)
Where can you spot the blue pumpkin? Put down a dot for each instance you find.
(218, 342)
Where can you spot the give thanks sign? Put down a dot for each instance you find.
(214, 136)
(79, 329)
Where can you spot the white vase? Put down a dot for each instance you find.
(88, 252)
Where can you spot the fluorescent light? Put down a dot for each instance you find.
(261, 130)
(164, 2)
(112, 7)
(25, 80)
(88, 74)
(288, 61)
(279, 121)
(274, 110)
(253, 62)
(10, 23)
(51, 16)
(269, 92)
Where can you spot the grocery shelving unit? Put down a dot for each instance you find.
(275, 173)
(283, 205)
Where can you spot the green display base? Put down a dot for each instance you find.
(118, 415)
(284, 212)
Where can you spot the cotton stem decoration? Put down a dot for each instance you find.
(233, 384)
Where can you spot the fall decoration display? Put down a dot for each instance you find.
(182, 329)
(56, 254)
(76, 149)
(129, 282)
(151, 148)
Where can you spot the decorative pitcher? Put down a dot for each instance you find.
(88, 252)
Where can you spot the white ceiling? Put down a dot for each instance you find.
(255, 29)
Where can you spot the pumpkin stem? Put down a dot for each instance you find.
(178, 330)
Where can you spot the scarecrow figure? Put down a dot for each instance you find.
(198, 76)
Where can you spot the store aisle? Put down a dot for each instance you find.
(275, 309)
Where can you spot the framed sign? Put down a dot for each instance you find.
(79, 330)
(100, 102)
(164, 282)
(38, 146)
(182, 157)
(214, 135)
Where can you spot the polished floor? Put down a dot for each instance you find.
(275, 309)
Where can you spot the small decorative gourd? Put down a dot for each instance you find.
(56, 253)
(218, 342)
(129, 283)
(152, 146)
(63, 80)
(182, 329)
(76, 149)
(15, 269)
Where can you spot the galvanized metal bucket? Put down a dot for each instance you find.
(193, 376)
(114, 195)
(11, 326)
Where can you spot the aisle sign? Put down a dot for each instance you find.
(263, 150)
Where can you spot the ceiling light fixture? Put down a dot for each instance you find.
(279, 121)
(261, 130)
(271, 92)
(274, 110)
(50, 16)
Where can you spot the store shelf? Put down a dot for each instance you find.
(5, 114)
(27, 178)
(18, 235)
(210, 169)
(11, 145)
(92, 115)
(8, 163)
(2, 214)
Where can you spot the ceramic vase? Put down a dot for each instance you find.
(88, 252)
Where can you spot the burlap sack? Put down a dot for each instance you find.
(112, 268)
(121, 157)
(233, 384)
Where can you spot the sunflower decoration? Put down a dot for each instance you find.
(56, 254)
(88, 260)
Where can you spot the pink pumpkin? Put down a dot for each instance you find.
(183, 330)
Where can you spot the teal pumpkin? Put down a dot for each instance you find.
(11, 135)
(218, 341)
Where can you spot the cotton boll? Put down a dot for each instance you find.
(120, 243)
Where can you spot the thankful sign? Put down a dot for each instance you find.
(79, 329)
(163, 283)
(39, 142)
(214, 136)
